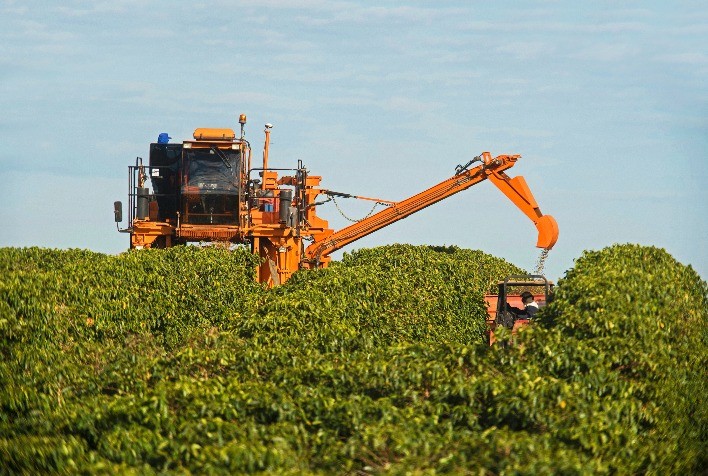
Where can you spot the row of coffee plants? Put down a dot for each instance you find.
(175, 360)
(618, 365)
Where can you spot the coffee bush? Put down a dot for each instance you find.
(176, 361)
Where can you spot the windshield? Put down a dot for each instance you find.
(211, 171)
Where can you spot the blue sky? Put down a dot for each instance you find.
(606, 101)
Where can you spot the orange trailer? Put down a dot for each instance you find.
(509, 294)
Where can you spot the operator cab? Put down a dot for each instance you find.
(198, 181)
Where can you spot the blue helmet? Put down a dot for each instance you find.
(163, 138)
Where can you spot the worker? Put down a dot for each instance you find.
(530, 307)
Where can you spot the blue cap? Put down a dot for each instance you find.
(163, 138)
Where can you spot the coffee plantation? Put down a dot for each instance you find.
(177, 361)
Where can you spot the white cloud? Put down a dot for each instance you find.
(545, 26)
(397, 13)
(693, 58)
(607, 52)
(410, 105)
(324, 13)
(526, 50)
(79, 8)
(14, 8)
(352, 100)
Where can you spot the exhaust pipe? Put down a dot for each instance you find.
(143, 203)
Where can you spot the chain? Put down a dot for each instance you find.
(352, 219)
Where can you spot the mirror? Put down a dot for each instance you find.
(118, 211)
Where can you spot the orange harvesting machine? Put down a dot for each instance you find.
(207, 189)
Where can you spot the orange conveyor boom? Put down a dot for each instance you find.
(515, 189)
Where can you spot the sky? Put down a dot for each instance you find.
(606, 101)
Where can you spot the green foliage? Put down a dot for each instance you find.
(633, 327)
(177, 361)
(383, 296)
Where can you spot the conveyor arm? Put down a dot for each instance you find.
(493, 169)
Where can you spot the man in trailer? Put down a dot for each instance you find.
(530, 307)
